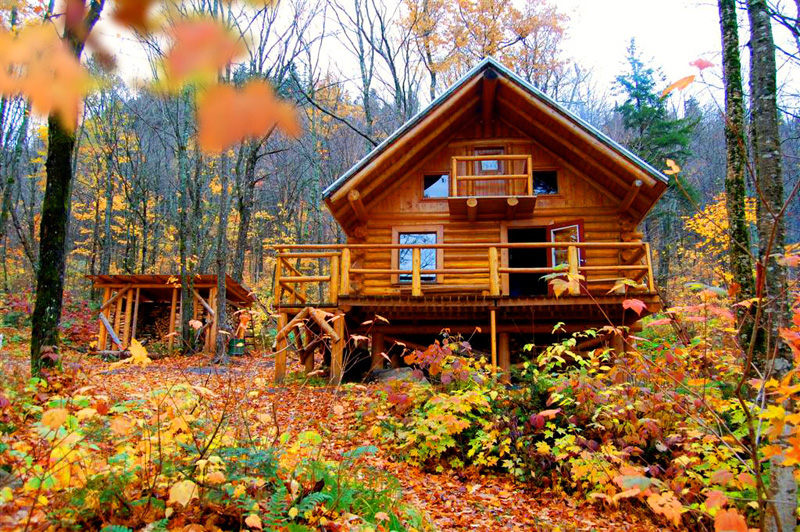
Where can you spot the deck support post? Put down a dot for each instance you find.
(118, 318)
(494, 272)
(173, 305)
(344, 267)
(276, 291)
(337, 350)
(574, 283)
(135, 313)
(618, 343)
(282, 345)
(504, 352)
(493, 327)
(472, 209)
(126, 325)
(416, 276)
(309, 362)
(378, 348)
(334, 284)
(102, 334)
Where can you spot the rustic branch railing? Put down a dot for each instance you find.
(337, 281)
(509, 179)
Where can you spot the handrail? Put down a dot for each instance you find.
(338, 281)
(469, 179)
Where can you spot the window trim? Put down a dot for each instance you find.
(422, 185)
(478, 169)
(397, 230)
(558, 179)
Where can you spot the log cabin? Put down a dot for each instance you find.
(453, 220)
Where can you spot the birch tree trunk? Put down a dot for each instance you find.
(771, 231)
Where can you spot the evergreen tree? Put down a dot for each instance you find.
(656, 136)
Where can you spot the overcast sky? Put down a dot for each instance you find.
(669, 33)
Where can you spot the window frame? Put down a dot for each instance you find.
(479, 170)
(438, 230)
(558, 180)
(422, 176)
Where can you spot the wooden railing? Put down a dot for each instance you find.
(512, 170)
(333, 269)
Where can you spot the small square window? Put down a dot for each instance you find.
(545, 182)
(436, 186)
(427, 256)
(491, 166)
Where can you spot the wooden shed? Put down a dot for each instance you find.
(453, 220)
(149, 306)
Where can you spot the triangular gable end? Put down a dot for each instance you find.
(623, 176)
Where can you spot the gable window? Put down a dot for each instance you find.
(435, 185)
(491, 166)
(545, 182)
(428, 256)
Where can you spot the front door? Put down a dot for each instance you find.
(527, 284)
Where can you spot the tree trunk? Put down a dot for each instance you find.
(52, 244)
(108, 240)
(222, 264)
(741, 266)
(771, 232)
(245, 208)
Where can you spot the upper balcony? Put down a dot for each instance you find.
(492, 186)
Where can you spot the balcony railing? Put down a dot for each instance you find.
(511, 177)
(330, 269)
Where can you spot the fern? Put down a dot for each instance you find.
(312, 501)
(115, 528)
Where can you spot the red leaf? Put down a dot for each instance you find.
(716, 498)
(701, 64)
(721, 476)
(635, 305)
(730, 521)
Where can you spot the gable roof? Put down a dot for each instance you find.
(530, 101)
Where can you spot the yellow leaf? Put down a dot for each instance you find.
(217, 477)
(293, 512)
(182, 492)
(55, 417)
(138, 353)
(85, 413)
(254, 521)
(121, 426)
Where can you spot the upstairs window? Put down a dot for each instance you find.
(545, 182)
(489, 167)
(428, 256)
(436, 185)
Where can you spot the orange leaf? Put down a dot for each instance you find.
(729, 521)
(667, 505)
(680, 85)
(715, 498)
(54, 418)
(253, 521)
(200, 49)
(133, 13)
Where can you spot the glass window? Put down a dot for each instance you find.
(545, 182)
(490, 166)
(427, 256)
(436, 186)
(569, 234)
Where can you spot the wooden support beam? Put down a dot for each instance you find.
(354, 198)
(344, 289)
(121, 292)
(299, 318)
(453, 177)
(504, 355)
(529, 165)
(472, 209)
(202, 301)
(172, 307)
(488, 90)
(511, 207)
(493, 330)
(111, 332)
(102, 333)
(126, 325)
(276, 291)
(651, 285)
(135, 312)
(627, 201)
(378, 348)
(280, 354)
(118, 317)
(574, 268)
(333, 287)
(494, 272)
(337, 350)
(416, 276)
(308, 350)
(319, 317)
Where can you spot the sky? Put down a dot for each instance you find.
(669, 34)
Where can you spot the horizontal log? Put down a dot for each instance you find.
(306, 279)
(493, 177)
(470, 245)
(499, 157)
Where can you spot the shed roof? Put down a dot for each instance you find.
(160, 286)
(543, 118)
